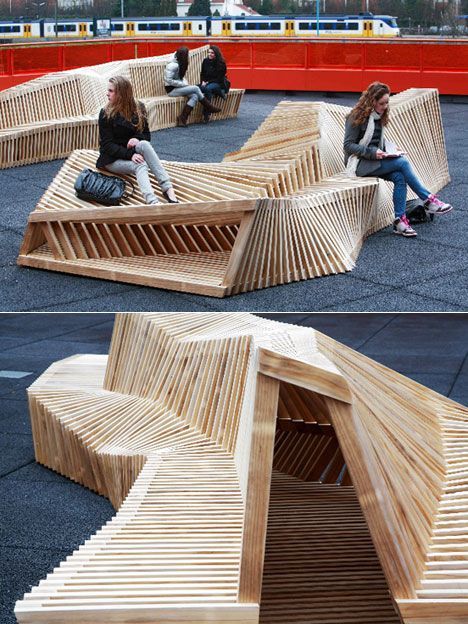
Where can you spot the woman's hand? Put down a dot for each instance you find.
(204, 83)
(138, 159)
(132, 143)
(379, 154)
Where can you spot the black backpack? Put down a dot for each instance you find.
(94, 186)
(416, 212)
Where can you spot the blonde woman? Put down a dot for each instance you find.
(368, 154)
(124, 141)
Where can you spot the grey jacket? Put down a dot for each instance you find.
(367, 155)
(171, 75)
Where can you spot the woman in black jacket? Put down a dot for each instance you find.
(212, 77)
(124, 141)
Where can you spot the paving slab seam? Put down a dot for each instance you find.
(384, 326)
(32, 461)
(54, 336)
(457, 374)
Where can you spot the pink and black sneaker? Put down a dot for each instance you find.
(434, 205)
(402, 226)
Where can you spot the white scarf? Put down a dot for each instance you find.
(353, 160)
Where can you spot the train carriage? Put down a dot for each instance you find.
(363, 25)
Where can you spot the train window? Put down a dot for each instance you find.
(327, 26)
(340, 26)
(118, 27)
(65, 28)
(306, 26)
(9, 29)
(258, 26)
(200, 27)
(388, 20)
(353, 26)
(175, 26)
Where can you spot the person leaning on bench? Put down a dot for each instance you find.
(124, 141)
(213, 77)
(176, 85)
(368, 154)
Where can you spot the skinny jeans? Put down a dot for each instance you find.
(399, 171)
(151, 163)
(191, 92)
(211, 90)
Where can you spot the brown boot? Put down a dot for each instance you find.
(208, 106)
(184, 115)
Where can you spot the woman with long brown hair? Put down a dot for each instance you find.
(213, 77)
(176, 85)
(124, 141)
(367, 153)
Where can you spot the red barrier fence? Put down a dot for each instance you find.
(271, 63)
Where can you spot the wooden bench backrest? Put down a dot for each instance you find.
(147, 75)
(50, 97)
(201, 378)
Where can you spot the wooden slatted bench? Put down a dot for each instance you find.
(278, 210)
(51, 116)
(181, 427)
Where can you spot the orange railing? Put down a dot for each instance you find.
(276, 64)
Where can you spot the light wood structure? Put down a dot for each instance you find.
(51, 116)
(181, 427)
(278, 210)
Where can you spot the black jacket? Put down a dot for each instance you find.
(114, 134)
(211, 71)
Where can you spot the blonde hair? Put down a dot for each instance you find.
(124, 103)
(366, 103)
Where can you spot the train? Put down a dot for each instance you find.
(362, 25)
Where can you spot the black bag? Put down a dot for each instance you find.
(94, 186)
(226, 85)
(416, 213)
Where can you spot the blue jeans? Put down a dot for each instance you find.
(211, 90)
(399, 171)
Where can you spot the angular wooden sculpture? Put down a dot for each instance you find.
(181, 427)
(51, 116)
(277, 211)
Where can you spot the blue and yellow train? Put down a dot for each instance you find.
(362, 25)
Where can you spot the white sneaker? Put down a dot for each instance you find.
(434, 205)
(402, 226)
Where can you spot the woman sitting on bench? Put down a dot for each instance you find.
(177, 85)
(124, 141)
(368, 154)
(212, 77)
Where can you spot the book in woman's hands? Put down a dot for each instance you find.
(391, 150)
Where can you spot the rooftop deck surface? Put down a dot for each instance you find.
(428, 273)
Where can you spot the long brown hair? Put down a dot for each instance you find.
(219, 59)
(182, 57)
(125, 104)
(365, 106)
